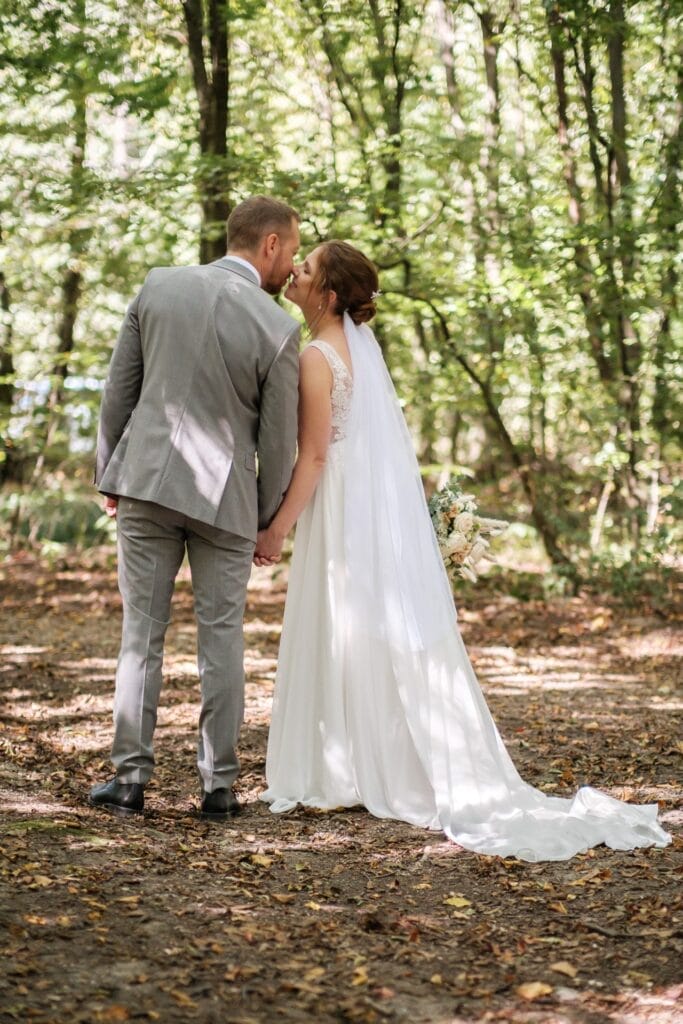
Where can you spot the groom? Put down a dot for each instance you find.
(203, 381)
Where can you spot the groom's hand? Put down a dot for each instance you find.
(268, 549)
(110, 506)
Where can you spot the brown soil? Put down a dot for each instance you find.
(328, 916)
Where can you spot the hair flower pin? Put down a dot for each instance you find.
(375, 295)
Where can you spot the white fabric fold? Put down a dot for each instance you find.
(401, 638)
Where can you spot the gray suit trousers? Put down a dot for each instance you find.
(152, 541)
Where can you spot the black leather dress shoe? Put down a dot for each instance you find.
(219, 805)
(119, 797)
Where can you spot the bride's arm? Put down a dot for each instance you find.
(315, 419)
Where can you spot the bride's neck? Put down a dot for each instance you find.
(327, 328)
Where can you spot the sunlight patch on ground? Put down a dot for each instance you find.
(259, 689)
(666, 642)
(503, 672)
(256, 627)
(105, 664)
(21, 652)
(489, 653)
(660, 704)
(29, 805)
(539, 663)
(656, 1007)
(180, 712)
(260, 666)
(519, 682)
(550, 682)
(178, 665)
(84, 706)
(267, 577)
(644, 794)
(674, 818)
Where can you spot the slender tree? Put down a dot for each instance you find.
(8, 462)
(207, 41)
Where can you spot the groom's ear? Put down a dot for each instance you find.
(270, 243)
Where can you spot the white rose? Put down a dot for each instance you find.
(464, 522)
(456, 544)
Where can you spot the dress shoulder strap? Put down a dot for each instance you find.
(333, 358)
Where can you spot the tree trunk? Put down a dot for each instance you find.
(207, 29)
(490, 32)
(547, 530)
(8, 459)
(390, 79)
(669, 219)
(429, 434)
(596, 532)
(71, 286)
(582, 258)
(605, 297)
(454, 436)
(486, 222)
(620, 180)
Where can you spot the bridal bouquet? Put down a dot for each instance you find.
(461, 533)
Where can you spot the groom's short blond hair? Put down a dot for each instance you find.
(257, 217)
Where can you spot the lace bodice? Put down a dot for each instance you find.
(342, 388)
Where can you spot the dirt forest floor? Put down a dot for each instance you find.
(328, 916)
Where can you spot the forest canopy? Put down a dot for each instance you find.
(512, 167)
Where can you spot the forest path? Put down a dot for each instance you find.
(335, 916)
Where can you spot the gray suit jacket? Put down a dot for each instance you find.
(202, 381)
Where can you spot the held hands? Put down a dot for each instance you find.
(268, 547)
(110, 506)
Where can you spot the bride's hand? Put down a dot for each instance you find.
(268, 547)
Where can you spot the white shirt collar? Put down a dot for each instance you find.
(247, 264)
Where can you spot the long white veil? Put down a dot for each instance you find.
(392, 555)
(401, 623)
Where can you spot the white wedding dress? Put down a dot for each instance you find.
(376, 702)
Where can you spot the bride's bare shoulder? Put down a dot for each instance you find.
(313, 360)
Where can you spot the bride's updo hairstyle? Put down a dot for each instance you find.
(346, 271)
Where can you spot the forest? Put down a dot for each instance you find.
(513, 168)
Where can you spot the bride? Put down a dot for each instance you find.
(376, 702)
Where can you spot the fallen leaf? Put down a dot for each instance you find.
(181, 998)
(261, 860)
(533, 990)
(113, 1013)
(457, 901)
(240, 972)
(638, 978)
(564, 967)
(42, 880)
